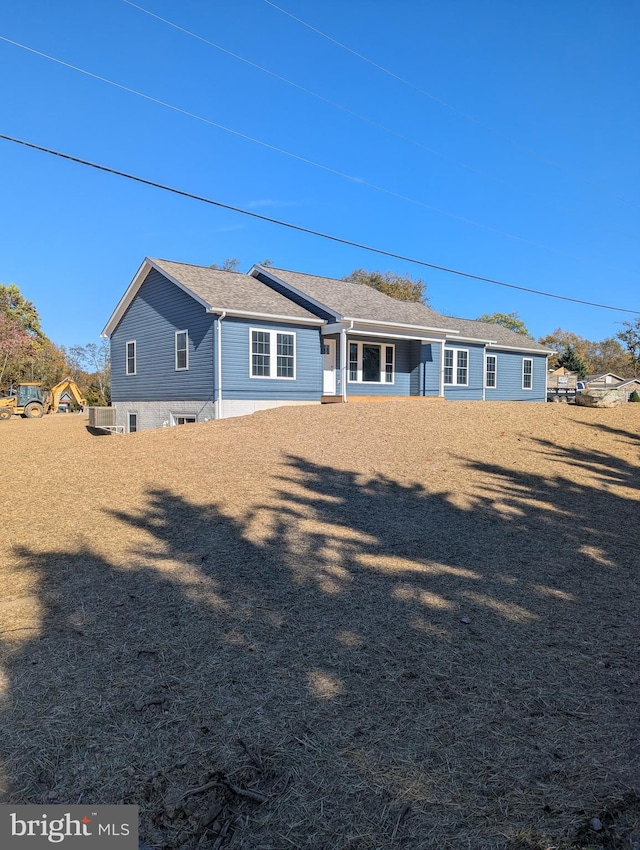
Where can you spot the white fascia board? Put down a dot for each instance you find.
(475, 339)
(271, 317)
(396, 335)
(132, 291)
(332, 328)
(265, 270)
(127, 298)
(545, 351)
(428, 328)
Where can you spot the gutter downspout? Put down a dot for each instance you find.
(219, 363)
(484, 372)
(343, 360)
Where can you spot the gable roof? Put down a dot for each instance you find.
(358, 301)
(216, 290)
(588, 378)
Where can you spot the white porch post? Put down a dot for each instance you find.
(343, 362)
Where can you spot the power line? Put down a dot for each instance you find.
(309, 231)
(299, 158)
(345, 109)
(451, 108)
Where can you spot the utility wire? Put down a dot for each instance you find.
(454, 109)
(305, 160)
(307, 230)
(347, 110)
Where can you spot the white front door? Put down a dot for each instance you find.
(329, 367)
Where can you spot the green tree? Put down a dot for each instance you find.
(394, 285)
(229, 265)
(511, 321)
(630, 338)
(571, 361)
(19, 310)
(560, 340)
(31, 356)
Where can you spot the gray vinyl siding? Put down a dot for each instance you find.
(407, 358)
(237, 382)
(297, 299)
(159, 309)
(509, 377)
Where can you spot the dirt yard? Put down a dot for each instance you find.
(399, 625)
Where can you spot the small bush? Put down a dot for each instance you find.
(635, 396)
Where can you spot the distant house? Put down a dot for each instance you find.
(190, 343)
(610, 381)
(606, 381)
(630, 385)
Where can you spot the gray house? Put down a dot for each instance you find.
(190, 343)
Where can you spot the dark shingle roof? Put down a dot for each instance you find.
(359, 301)
(232, 291)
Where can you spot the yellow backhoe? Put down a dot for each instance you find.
(28, 399)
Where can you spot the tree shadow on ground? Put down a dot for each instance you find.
(358, 663)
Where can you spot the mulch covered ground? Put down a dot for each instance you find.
(398, 625)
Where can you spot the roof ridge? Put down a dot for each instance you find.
(196, 266)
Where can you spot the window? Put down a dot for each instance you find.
(182, 420)
(130, 365)
(370, 363)
(527, 373)
(285, 362)
(388, 365)
(491, 368)
(353, 361)
(132, 422)
(182, 350)
(456, 366)
(273, 354)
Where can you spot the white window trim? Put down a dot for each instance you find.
(455, 383)
(131, 413)
(273, 355)
(175, 349)
(176, 416)
(383, 362)
(530, 360)
(495, 371)
(135, 357)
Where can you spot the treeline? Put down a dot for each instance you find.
(27, 354)
(619, 354)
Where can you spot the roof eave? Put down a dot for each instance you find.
(545, 351)
(377, 322)
(249, 314)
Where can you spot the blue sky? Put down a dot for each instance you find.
(508, 149)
